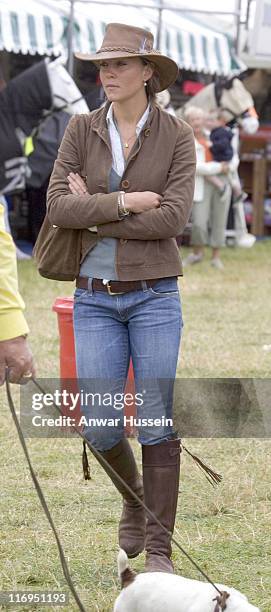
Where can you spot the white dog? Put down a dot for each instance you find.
(161, 592)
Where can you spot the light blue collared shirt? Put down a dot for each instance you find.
(116, 144)
(100, 261)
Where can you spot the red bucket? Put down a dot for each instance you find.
(63, 306)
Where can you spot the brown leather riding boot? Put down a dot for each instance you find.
(161, 470)
(132, 526)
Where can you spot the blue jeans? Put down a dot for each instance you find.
(144, 325)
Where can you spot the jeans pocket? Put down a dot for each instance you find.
(165, 287)
(80, 294)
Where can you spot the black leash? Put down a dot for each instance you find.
(42, 500)
(103, 461)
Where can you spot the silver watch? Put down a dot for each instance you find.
(122, 211)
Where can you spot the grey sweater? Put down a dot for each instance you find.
(100, 261)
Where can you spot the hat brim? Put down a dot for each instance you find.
(167, 68)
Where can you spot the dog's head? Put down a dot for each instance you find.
(125, 573)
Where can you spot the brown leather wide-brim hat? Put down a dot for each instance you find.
(125, 41)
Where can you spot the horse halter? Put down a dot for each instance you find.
(219, 86)
(218, 91)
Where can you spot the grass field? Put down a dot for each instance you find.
(228, 530)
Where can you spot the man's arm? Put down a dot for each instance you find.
(14, 351)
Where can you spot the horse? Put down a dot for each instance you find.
(230, 96)
(25, 103)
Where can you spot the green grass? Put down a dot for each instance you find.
(227, 530)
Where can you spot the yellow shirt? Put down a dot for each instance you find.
(12, 321)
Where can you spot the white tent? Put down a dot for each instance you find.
(41, 26)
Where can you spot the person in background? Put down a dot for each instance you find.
(210, 208)
(164, 100)
(14, 350)
(222, 149)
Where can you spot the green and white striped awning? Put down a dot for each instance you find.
(41, 26)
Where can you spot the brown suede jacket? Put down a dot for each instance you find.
(162, 160)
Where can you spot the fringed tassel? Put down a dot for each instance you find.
(221, 601)
(213, 477)
(85, 463)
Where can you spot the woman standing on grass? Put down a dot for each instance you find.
(125, 176)
(210, 207)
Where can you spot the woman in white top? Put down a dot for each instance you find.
(210, 207)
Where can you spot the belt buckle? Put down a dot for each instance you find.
(112, 292)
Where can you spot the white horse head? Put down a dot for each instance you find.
(64, 90)
(232, 98)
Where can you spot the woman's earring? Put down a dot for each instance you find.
(145, 83)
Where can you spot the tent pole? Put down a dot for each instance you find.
(159, 27)
(238, 6)
(70, 38)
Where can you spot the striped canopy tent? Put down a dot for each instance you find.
(41, 26)
(196, 47)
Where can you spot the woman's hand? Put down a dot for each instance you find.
(140, 201)
(77, 185)
(136, 202)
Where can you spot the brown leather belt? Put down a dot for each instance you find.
(114, 287)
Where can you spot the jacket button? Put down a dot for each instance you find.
(125, 184)
(147, 132)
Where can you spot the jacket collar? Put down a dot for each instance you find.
(140, 124)
(99, 123)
